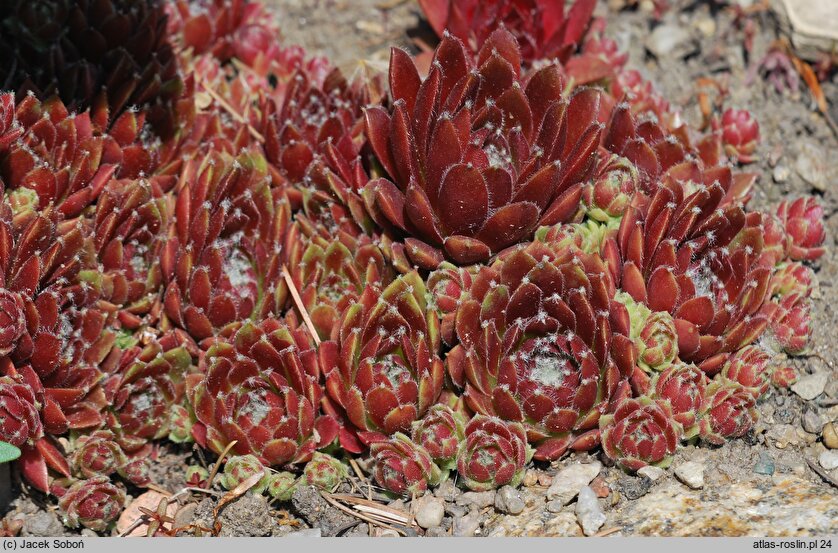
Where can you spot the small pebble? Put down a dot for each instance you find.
(508, 500)
(530, 478)
(765, 464)
(88, 533)
(600, 487)
(829, 460)
(691, 473)
(588, 511)
(811, 386)
(306, 533)
(830, 436)
(478, 499)
(652, 473)
(555, 506)
(429, 511)
(544, 479)
(812, 422)
(634, 487)
(447, 491)
(781, 174)
(568, 481)
(467, 525)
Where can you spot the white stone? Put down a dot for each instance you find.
(429, 511)
(829, 459)
(652, 473)
(588, 512)
(567, 483)
(691, 473)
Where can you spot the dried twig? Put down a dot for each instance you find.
(366, 518)
(299, 303)
(820, 472)
(232, 111)
(232, 495)
(217, 464)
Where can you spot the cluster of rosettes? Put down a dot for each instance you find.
(517, 252)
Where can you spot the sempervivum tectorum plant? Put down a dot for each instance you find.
(542, 29)
(383, 365)
(440, 432)
(129, 228)
(640, 432)
(94, 503)
(448, 286)
(100, 454)
(147, 385)
(476, 158)
(317, 122)
(332, 273)
(535, 346)
(791, 323)
(10, 129)
(803, 221)
(792, 278)
(740, 134)
(730, 412)
(692, 256)
(608, 195)
(65, 159)
(751, 368)
(652, 332)
(222, 262)
(494, 453)
(403, 466)
(324, 471)
(261, 388)
(111, 54)
(685, 388)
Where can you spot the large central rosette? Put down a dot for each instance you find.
(382, 366)
(535, 345)
(262, 389)
(477, 157)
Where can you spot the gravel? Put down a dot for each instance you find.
(830, 436)
(588, 511)
(480, 500)
(317, 512)
(634, 487)
(811, 386)
(812, 422)
(508, 500)
(691, 473)
(42, 524)
(652, 473)
(429, 511)
(829, 460)
(765, 464)
(568, 481)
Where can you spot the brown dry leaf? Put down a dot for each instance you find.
(233, 494)
(150, 500)
(811, 81)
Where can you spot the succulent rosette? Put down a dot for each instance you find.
(130, 226)
(239, 468)
(693, 255)
(542, 29)
(67, 160)
(493, 454)
(20, 422)
(475, 157)
(146, 387)
(325, 472)
(332, 273)
(752, 368)
(440, 433)
(382, 366)
(653, 333)
(803, 221)
(111, 55)
(792, 278)
(448, 285)
(94, 503)
(222, 264)
(402, 466)
(730, 412)
(535, 346)
(685, 388)
(791, 323)
(776, 241)
(282, 485)
(261, 388)
(609, 194)
(740, 134)
(641, 432)
(100, 454)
